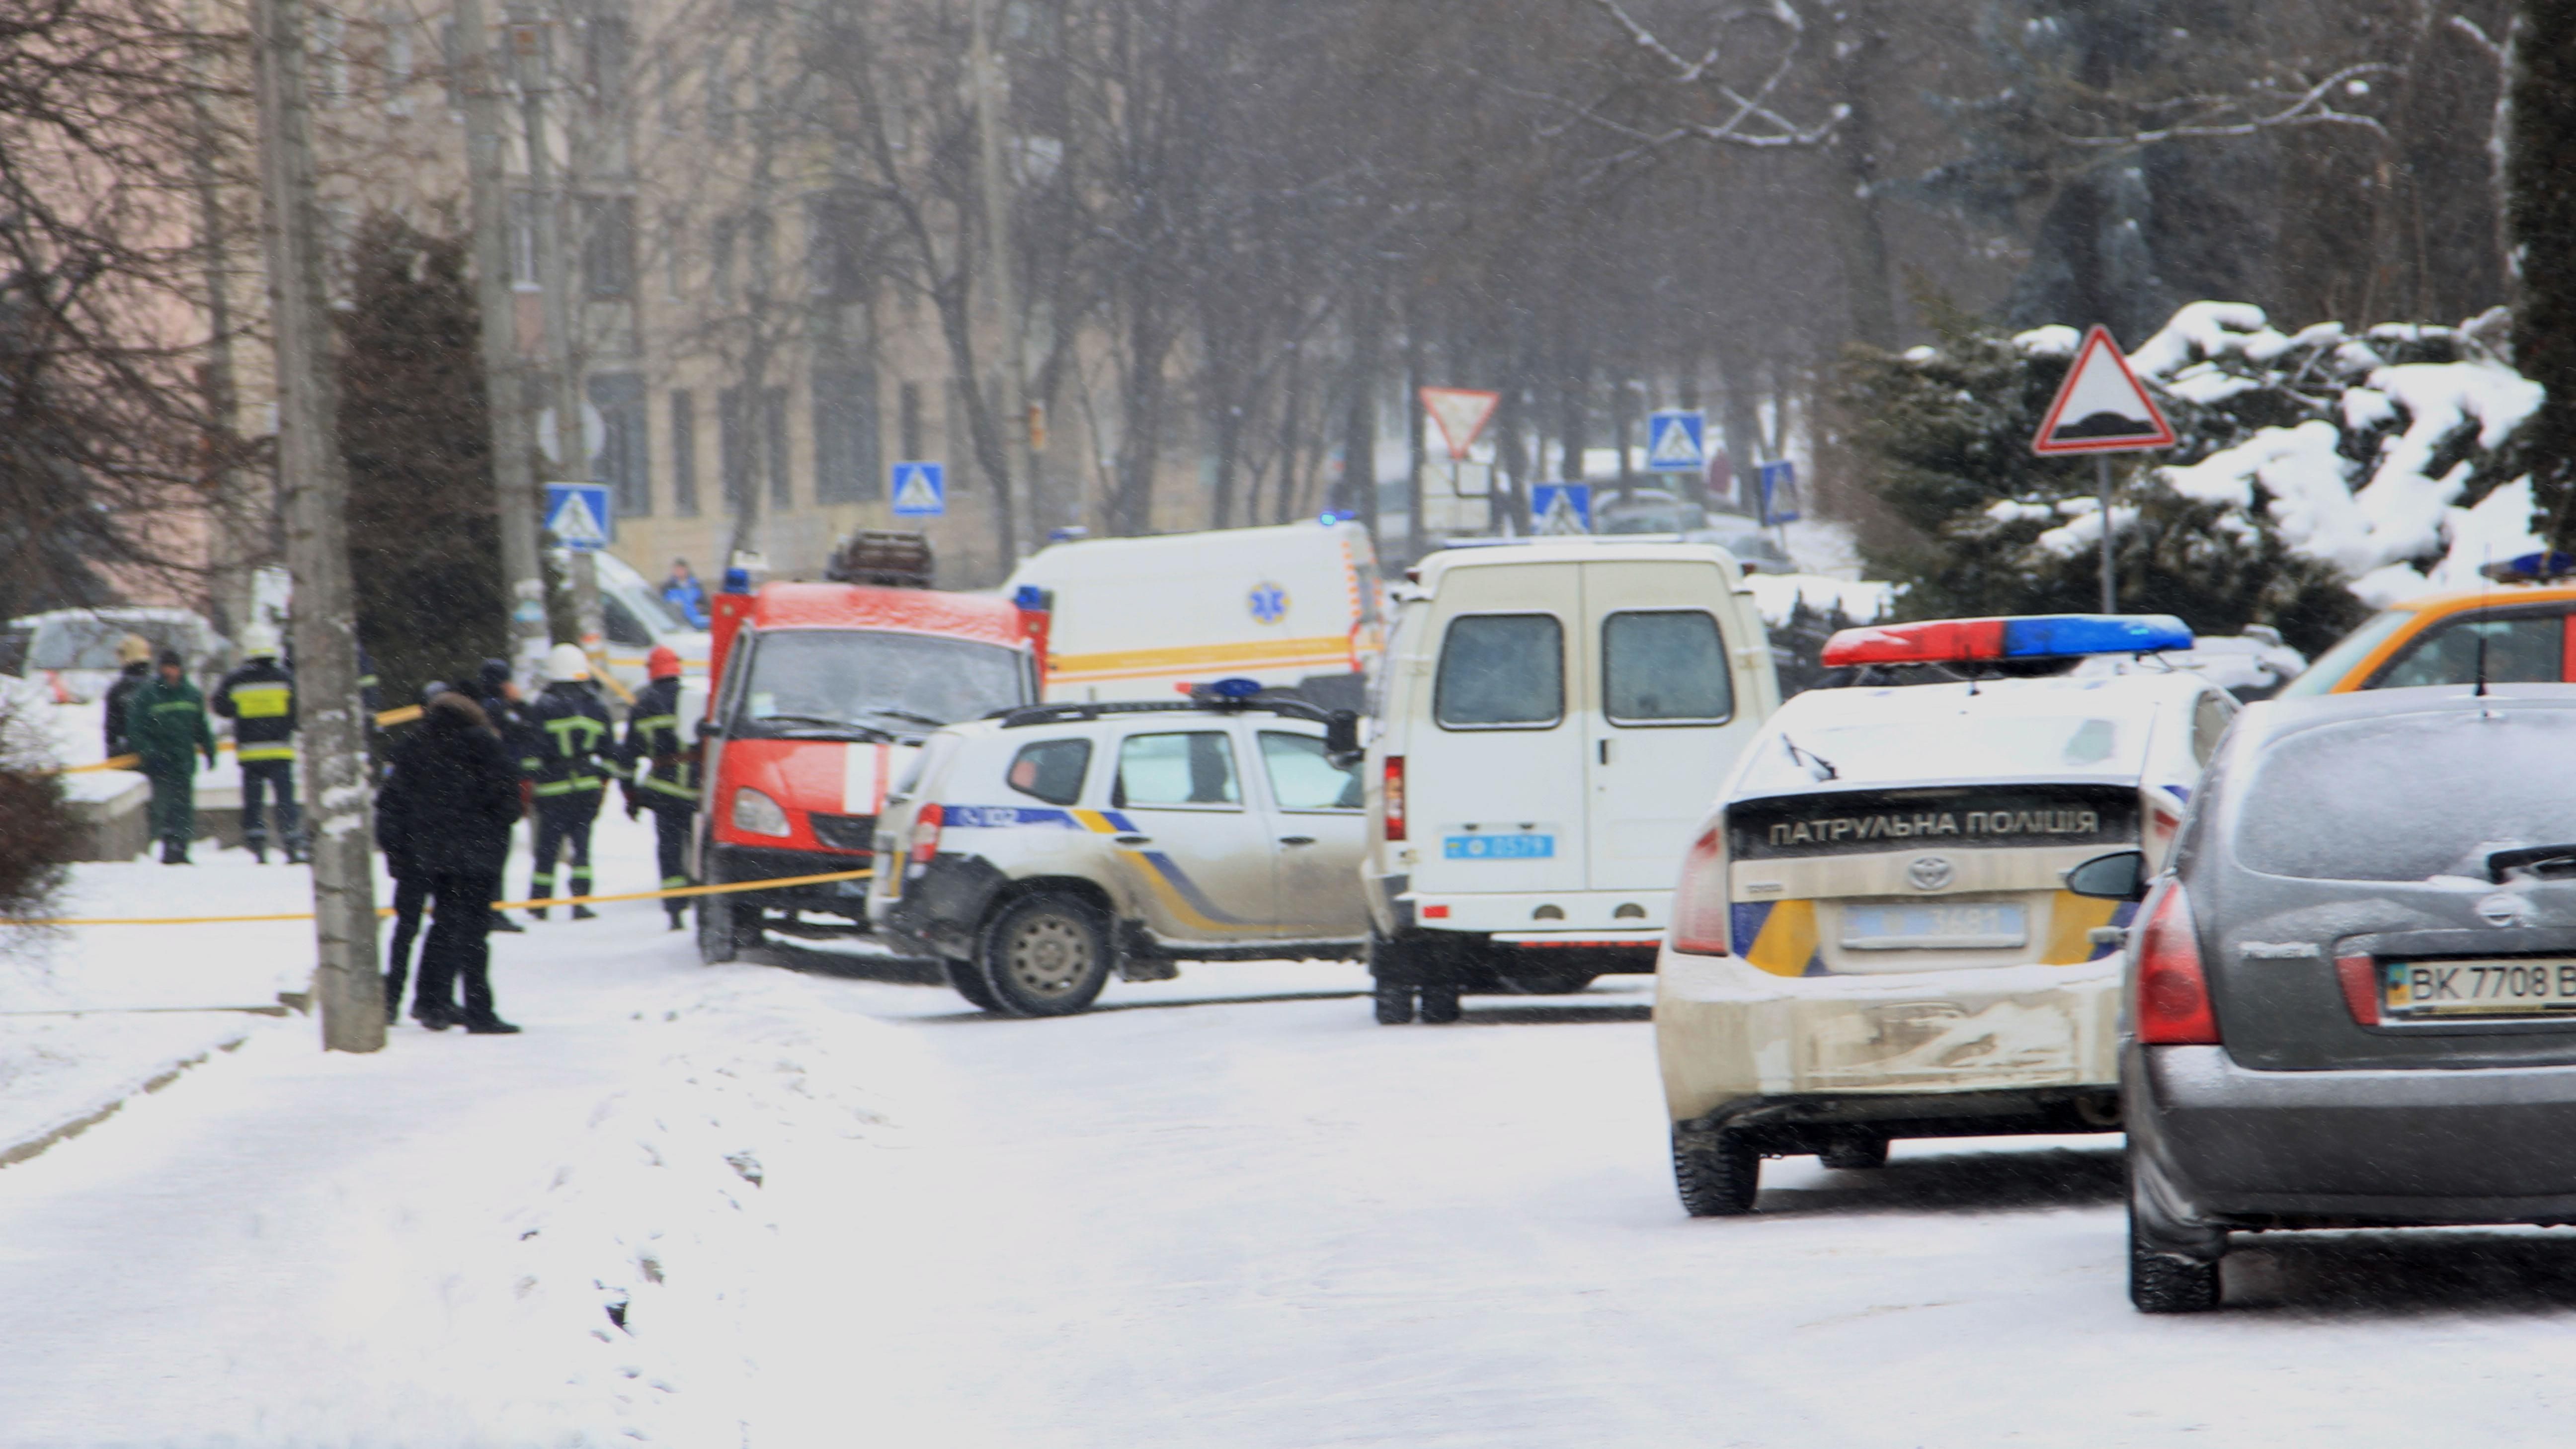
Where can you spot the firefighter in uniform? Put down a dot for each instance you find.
(571, 752)
(165, 722)
(259, 698)
(662, 773)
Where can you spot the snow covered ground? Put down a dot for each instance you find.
(773, 1206)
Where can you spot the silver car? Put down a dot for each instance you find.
(2352, 1000)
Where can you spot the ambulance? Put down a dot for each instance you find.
(824, 693)
(1872, 936)
(1555, 717)
(1290, 607)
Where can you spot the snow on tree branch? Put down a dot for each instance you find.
(2223, 115)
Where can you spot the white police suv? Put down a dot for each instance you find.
(1872, 937)
(1038, 851)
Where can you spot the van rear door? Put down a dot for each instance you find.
(1494, 784)
(1666, 715)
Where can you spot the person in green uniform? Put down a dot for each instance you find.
(165, 722)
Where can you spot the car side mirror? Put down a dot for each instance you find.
(2119, 876)
(1342, 737)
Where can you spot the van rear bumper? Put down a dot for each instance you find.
(2232, 1146)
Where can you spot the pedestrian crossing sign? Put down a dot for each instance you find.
(1676, 441)
(920, 490)
(577, 515)
(1561, 508)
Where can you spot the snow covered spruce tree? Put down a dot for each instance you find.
(2319, 474)
(424, 541)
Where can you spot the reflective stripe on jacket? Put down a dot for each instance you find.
(259, 698)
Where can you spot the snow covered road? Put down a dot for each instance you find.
(1228, 1211)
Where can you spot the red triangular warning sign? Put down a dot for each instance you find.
(1460, 413)
(2101, 407)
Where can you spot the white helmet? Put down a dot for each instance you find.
(258, 641)
(566, 663)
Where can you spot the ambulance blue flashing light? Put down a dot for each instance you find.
(2035, 636)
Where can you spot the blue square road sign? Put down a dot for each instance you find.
(577, 515)
(1561, 508)
(1676, 441)
(919, 490)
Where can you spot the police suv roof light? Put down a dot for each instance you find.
(2033, 636)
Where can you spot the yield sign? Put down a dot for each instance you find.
(1461, 413)
(2101, 408)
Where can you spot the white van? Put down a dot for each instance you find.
(635, 618)
(1554, 719)
(1292, 606)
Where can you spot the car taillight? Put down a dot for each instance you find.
(2173, 1006)
(925, 834)
(1701, 913)
(2360, 975)
(1394, 797)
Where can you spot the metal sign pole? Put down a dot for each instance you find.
(2110, 576)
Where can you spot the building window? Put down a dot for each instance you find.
(720, 100)
(396, 26)
(684, 452)
(720, 260)
(675, 247)
(773, 428)
(329, 69)
(910, 410)
(734, 448)
(625, 461)
(523, 241)
(832, 247)
(608, 246)
(451, 52)
(847, 465)
(608, 54)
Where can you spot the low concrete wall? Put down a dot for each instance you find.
(116, 822)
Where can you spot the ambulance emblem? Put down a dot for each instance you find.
(1269, 603)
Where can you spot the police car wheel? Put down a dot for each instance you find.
(1046, 955)
(968, 979)
(1394, 1002)
(1439, 1002)
(1719, 1181)
(1854, 1153)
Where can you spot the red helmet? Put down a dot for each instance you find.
(662, 663)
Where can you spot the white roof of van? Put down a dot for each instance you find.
(1569, 550)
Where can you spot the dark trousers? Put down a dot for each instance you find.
(564, 821)
(260, 778)
(174, 801)
(671, 829)
(411, 897)
(458, 951)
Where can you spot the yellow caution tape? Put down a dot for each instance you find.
(385, 719)
(676, 891)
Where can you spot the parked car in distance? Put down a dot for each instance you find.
(72, 652)
(2352, 1002)
(2525, 631)
(1039, 852)
(2252, 665)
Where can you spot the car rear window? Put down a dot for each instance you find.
(2409, 797)
(1051, 770)
(1501, 670)
(1667, 666)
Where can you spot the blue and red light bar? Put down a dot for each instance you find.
(2031, 636)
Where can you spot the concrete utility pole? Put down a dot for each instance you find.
(528, 49)
(513, 476)
(986, 78)
(329, 717)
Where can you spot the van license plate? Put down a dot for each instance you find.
(2419, 989)
(1498, 847)
(1954, 928)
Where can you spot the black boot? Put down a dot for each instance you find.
(679, 920)
(259, 850)
(490, 1026)
(433, 1016)
(584, 913)
(501, 922)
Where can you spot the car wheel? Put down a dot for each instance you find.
(1719, 1181)
(968, 979)
(716, 942)
(1854, 1153)
(1046, 955)
(1440, 1002)
(1394, 1002)
(2161, 1282)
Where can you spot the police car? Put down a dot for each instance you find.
(1039, 851)
(1872, 938)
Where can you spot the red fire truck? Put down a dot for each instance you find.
(823, 694)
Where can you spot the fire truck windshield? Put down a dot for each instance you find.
(874, 681)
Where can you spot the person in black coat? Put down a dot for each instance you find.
(450, 798)
(498, 693)
(411, 885)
